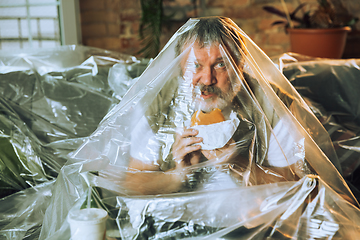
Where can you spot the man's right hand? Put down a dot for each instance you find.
(185, 149)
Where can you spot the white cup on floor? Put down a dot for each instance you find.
(88, 224)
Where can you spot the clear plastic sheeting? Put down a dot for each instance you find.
(162, 164)
(50, 102)
(262, 212)
(22, 212)
(330, 88)
(211, 141)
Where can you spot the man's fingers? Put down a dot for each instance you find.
(192, 148)
(186, 142)
(186, 149)
(191, 141)
(180, 152)
(188, 132)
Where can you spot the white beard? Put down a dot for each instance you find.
(206, 105)
(221, 102)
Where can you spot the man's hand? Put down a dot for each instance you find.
(185, 148)
(220, 155)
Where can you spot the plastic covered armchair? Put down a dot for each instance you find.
(329, 87)
(50, 102)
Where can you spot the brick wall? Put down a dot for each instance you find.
(113, 24)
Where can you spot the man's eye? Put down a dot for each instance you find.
(196, 65)
(220, 65)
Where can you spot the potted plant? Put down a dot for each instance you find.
(152, 18)
(319, 31)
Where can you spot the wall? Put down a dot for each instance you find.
(113, 24)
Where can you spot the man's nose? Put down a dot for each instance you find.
(207, 76)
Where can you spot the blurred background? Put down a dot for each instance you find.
(118, 24)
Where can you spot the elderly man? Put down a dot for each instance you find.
(212, 56)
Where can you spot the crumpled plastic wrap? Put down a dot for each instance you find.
(336, 105)
(279, 176)
(50, 102)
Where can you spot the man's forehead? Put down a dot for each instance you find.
(198, 45)
(208, 52)
(218, 52)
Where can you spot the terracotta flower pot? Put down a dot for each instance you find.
(326, 43)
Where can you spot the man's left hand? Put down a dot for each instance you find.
(220, 155)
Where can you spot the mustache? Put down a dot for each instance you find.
(210, 89)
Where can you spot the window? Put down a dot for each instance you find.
(38, 23)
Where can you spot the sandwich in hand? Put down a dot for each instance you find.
(215, 130)
(201, 118)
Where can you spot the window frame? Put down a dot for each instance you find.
(68, 18)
